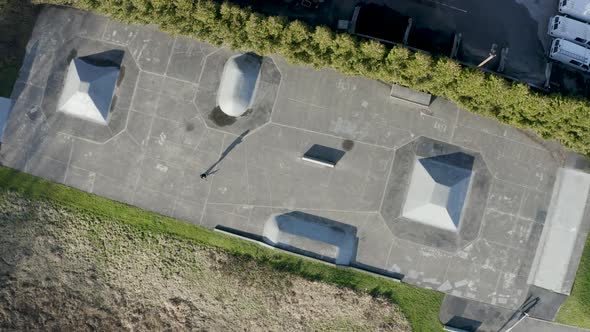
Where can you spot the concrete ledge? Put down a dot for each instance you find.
(412, 96)
(312, 235)
(318, 161)
(452, 329)
(257, 240)
(558, 253)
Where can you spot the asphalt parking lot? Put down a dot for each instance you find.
(517, 25)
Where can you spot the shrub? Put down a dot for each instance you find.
(566, 119)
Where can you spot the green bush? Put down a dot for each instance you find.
(566, 119)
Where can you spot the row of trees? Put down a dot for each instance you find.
(566, 119)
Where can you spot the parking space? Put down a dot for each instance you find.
(519, 26)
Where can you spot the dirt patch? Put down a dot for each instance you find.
(221, 119)
(69, 271)
(347, 145)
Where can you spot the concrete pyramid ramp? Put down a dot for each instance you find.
(437, 193)
(88, 91)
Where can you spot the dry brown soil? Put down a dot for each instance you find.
(64, 270)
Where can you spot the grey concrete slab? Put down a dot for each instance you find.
(534, 205)
(374, 235)
(180, 90)
(151, 49)
(160, 176)
(475, 316)
(120, 33)
(404, 257)
(229, 184)
(80, 178)
(112, 188)
(187, 132)
(13, 156)
(505, 197)
(498, 227)
(48, 168)
(167, 151)
(257, 219)
(145, 101)
(190, 211)
(471, 281)
(187, 59)
(150, 81)
(488, 255)
(548, 304)
(161, 122)
(193, 188)
(429, 269)
(138, 127)
(216, 215)
(155, 201)
(172, 108)
(119, 159)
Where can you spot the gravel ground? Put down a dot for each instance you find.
(64, 270)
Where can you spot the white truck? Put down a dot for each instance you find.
(569, 29)
(578, 9)
(570, 54)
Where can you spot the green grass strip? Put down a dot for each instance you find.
(576, 309)
(420, 306)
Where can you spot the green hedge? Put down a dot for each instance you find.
(566, 119)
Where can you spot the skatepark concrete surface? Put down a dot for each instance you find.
(165, 129)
